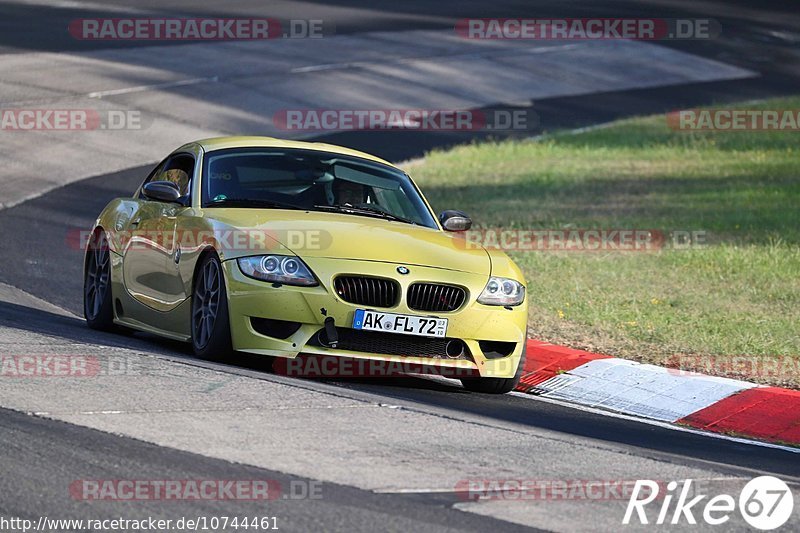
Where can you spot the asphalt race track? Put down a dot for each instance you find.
(384, 454)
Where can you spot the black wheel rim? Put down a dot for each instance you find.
(206, 303)
(97, 278)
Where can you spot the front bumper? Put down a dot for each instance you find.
(473, 323)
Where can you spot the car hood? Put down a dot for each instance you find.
(341, 236)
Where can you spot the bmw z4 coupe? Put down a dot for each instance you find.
(280, 248)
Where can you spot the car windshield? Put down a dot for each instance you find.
(265, 178)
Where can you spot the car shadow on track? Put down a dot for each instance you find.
(74, 329)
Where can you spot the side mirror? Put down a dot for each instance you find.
(453, 220)
(162, 191)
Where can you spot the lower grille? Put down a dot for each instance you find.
(362, 290)
(377, 342)
(435, 297)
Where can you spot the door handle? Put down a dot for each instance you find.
(135, 222)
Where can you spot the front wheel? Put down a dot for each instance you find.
(211, 328)
(497, 385)
(97, 298)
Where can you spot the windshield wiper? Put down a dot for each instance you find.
(252, 202)
(365, 211)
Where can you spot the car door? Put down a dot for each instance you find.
(151, 256)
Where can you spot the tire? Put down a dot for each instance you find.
(210, 323)
(497, 385)
(97, 298)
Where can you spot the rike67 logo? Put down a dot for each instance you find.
(765, 503)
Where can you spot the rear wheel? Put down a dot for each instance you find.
(497, 385)
(211, 329)
(97, 298)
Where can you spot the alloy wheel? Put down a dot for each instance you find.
(207, 294)
(98, 275)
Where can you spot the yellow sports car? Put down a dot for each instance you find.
(279, 248)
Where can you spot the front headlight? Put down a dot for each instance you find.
(502, 291)
(277, 268)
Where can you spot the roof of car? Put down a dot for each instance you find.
(221, 143)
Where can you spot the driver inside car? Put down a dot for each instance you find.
(349, 193)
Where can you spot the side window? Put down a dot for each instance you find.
(178, 170)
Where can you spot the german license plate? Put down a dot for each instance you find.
(405, 324)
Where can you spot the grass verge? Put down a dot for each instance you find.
(730, 308)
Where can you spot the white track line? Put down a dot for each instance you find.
(75, 4)
(155, 86)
